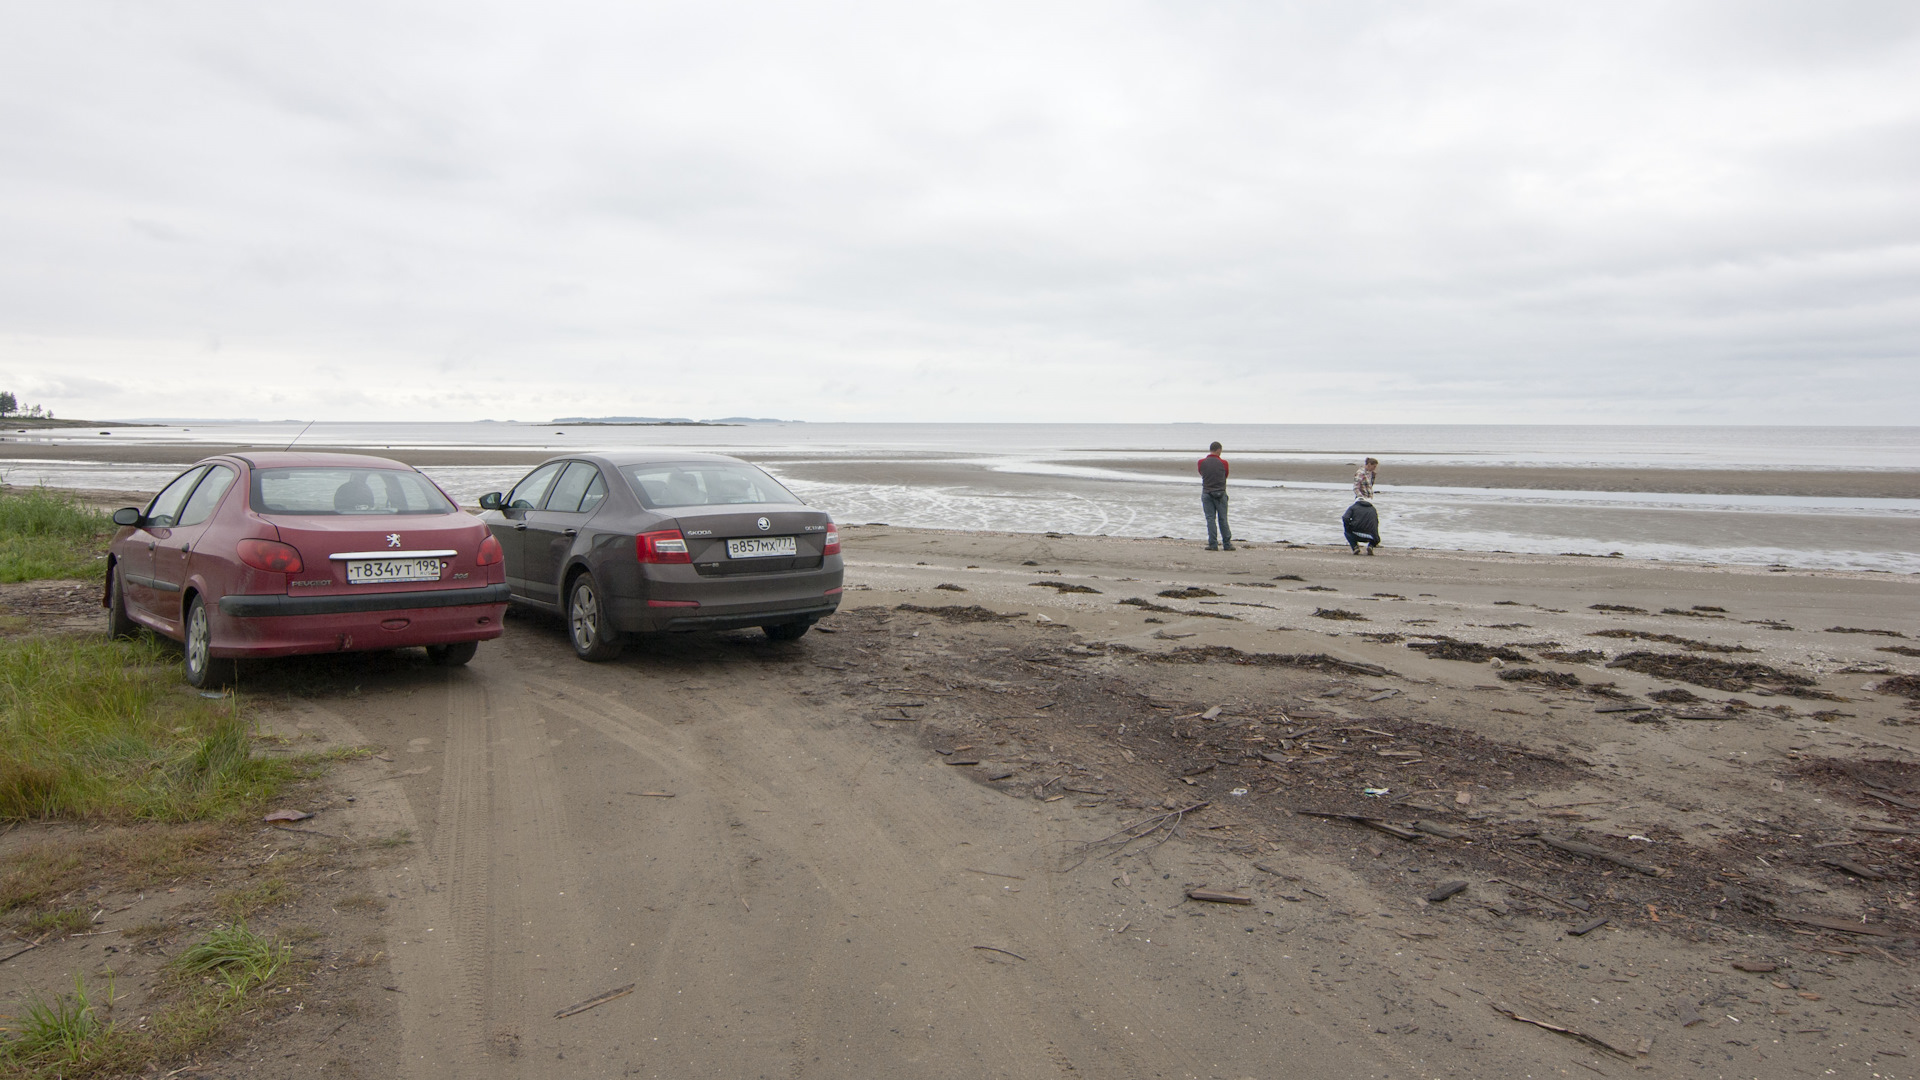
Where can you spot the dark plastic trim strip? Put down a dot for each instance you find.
(270, 605)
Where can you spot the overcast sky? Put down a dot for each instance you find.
(1110, 211)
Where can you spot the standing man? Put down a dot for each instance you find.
(1362, 521)
(1213, 499)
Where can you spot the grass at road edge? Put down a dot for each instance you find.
(49, 534)
(103, 730)
(75, 1036)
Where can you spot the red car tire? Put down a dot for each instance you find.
(120, 625)
(203, 669)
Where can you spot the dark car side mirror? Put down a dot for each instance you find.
(490, 501)
(127, 515)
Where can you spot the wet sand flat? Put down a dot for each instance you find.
(1813, 483)
(922, 468)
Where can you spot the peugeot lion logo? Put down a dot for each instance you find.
(393, 539)
(764, 524)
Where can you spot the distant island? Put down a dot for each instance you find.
(669, 421)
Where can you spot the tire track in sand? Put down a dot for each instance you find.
(852, 870)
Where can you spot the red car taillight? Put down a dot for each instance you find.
(270, 555)
(833, 541)
(665, 546)
(490, 552)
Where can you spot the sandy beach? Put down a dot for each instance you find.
(1438, 796)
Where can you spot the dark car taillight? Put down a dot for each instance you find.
(665, 546)
(270, 555)
(490, 552)
(833, 541)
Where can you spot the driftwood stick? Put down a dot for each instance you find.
(1576, 848)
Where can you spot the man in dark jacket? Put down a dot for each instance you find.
(1362, 522)
(1213, 499)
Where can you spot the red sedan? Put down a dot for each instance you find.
(278, 554)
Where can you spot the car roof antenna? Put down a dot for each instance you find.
(303, 431)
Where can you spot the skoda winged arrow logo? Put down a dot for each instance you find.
(764, 524)
(393, 539)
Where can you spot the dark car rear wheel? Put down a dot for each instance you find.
(454, 655)
(203, 670)
(792, 631)
(119, 623)
(592, 638)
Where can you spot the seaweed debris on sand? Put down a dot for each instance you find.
(1719, 674)
(1689, 644)
(1447, 648)
(970, 613)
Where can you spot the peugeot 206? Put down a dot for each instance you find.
(277, 554)
(644, 542)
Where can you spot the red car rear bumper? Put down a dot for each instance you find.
(278, 625)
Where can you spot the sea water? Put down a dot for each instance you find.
(1072, 478)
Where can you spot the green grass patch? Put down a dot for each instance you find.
(49, 534)
(234, 960)
(59, 922)
(64, 1035)
(103, 730)
(74, 1036)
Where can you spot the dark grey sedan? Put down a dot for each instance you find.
(643, 542)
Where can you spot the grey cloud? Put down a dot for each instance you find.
(1464, 207)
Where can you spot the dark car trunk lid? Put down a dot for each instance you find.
(708, 529)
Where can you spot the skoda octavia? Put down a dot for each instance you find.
(641, 541)
(276, 554)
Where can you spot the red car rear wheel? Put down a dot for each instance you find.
(203, 670)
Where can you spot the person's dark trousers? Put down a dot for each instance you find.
(1355, 539)
(1215, 507)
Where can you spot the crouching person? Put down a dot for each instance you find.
(1362, 523)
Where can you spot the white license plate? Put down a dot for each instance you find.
(762, 547)
(365, 571)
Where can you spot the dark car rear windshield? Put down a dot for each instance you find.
(703, 483)
(332, 489)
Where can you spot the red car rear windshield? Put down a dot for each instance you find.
(703, 483)
(340, 490)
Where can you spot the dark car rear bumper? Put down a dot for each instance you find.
(759, 618)
(636, 616)
(256, 606)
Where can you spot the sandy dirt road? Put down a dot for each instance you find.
(817, 898)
